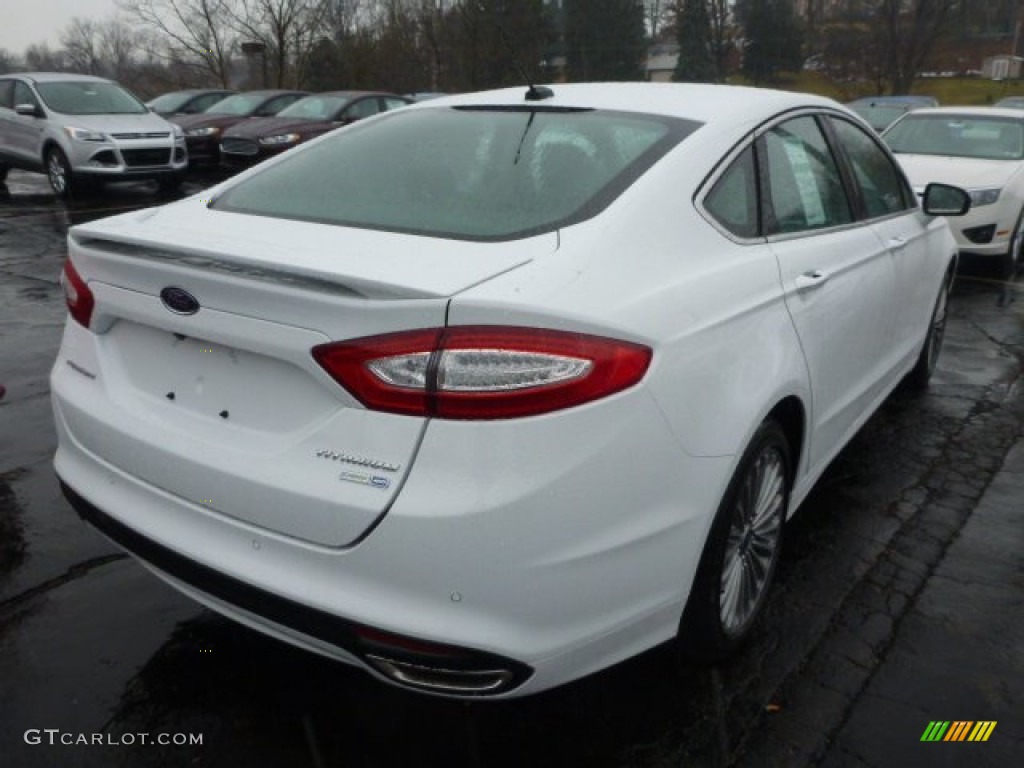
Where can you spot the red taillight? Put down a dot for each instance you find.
(77, 295)
(482, 372)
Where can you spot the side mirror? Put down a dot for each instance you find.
(945, 200)
(29, 110)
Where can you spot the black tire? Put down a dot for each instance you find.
(168, 185)
(742, 550)
(1011, 260)
(3, 172)
(923, 369)
(58, 171)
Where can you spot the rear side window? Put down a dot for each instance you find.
(477, 174)
(7, 94)
(805, 190)
(732, 201)
(881, 184)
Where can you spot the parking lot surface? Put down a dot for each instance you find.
(898, 600)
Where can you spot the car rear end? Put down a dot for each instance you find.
(319, 431)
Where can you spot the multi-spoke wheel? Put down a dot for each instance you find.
(922, 371)
(58, 171)
(742, 549)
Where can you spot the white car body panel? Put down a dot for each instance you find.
(565, 541)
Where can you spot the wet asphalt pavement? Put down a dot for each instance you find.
(899, 598)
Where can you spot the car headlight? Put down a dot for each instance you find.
(208, 131)
(284, 138)
(983, 196)
(81, 134)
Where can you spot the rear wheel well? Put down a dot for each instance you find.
(789, 413)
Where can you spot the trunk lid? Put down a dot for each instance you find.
(226, 408)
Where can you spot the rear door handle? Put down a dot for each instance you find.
(810, 280)
(895, 243)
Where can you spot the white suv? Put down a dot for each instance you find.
(79, 129)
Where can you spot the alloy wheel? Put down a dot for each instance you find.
(753, 540)
(57, 170)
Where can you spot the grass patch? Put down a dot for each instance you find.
(949, 91)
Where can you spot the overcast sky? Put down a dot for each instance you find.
(25, 22)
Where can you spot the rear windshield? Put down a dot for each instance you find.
(77, 97)
(988, 138)
(474, 174)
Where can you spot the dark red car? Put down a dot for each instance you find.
(251, 141)
(203, 131)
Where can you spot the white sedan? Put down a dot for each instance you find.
(492, 392)
(982, 150)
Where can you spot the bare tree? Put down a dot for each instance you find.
(909, 31)
(288, 28)
(39, 58)
(81, 46)
(196, 33)
(8, 61)
(119, 47)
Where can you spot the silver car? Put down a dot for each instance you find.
(79, 129)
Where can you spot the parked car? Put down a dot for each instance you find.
(487, 393)
(1010, 102)
(881, 111)
(81, 130)
(982, 150)
(188, 102)
(203, 131)
(251, 141)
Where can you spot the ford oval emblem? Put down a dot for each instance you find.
(179, 300)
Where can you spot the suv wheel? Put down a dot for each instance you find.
(58, 171)
(3, 172)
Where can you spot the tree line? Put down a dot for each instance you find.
(462, 45)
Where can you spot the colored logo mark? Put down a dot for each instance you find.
(958, 730)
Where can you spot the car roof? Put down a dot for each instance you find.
(49, 77)
(1014, 114)
(356, 94)
(905, 99)
(272, 92)
(199, 90)
(708, 104)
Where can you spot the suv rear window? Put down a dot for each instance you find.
(464, 173)
(83, 97)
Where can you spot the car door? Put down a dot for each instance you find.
(889, 206)
(24, 132)
(837, 279)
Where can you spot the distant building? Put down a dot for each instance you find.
(1002, 67)
(661, 62)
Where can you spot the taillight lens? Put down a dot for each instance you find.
(77, 295)
(482, 372)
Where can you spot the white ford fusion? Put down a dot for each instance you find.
(492, 392)
(982, 150)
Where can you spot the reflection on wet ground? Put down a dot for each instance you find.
(90, 641)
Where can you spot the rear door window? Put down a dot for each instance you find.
(804, 188)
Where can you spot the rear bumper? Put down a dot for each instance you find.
(552, 546)
(348, 640)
